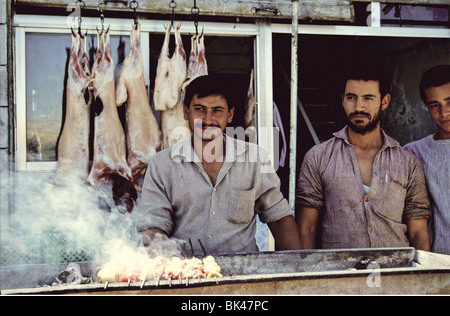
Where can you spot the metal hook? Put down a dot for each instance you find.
(133, 6)
(172, 5)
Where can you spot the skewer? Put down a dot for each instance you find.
(157, 280)
(203, 248)
(143, 280)
(192, 248)
(106, 284)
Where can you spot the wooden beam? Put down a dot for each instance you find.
(327, 10)
(410, 2)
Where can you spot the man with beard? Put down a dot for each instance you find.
(361, 189)
(211, 186)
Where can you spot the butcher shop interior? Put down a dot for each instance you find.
(282, 57)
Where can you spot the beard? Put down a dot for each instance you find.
(364, 128)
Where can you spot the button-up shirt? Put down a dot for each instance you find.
(435, 158)
(330, 181)
(179, 198)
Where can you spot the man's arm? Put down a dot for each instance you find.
(307, 219)
(418, 234)
(285, 233)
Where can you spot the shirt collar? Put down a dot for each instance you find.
(184, 150)
(387, 140)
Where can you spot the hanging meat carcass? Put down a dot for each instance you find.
(249, 117)
(109, 139)
(73, 147)
(143, 134)
(170, 72)
(170, 75)
(197, 61)
(174, 125)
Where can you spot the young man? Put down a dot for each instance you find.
(211, 186)
(433, 152)
(360, 189)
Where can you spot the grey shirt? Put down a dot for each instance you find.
(179, 198)
(330, 181)
(435, 158)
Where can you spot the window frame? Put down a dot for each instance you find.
(24, 24)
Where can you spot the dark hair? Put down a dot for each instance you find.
(434, 77)
(209, 85)
(366, 73)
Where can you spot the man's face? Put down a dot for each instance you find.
(363, 105)
(437, 100)
(208, 116)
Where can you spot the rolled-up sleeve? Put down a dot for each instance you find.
(417, 205)
(155, 209)
(270, 203)
(309, 186)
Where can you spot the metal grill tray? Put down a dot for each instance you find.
(239, 269)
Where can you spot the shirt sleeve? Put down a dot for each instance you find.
(270, 203)
(309, 186)
(155, 209)
(417, 205)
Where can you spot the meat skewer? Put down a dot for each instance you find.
(143, 137)
(73, 147)
(211, 268)
(159, 267)
(109, 139)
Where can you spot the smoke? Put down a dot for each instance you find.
(76, 217)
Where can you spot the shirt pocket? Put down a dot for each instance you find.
(241, 207)
(395, 196)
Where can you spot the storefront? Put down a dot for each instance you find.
(240, 37)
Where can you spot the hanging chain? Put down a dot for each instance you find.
(172, 5)
(133, 6)
(81, 4)
(195, 11)
(101, 8)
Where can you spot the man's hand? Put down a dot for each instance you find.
(157, 243)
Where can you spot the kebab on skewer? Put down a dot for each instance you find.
(160, 267)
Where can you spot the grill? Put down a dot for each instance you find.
(341, 271)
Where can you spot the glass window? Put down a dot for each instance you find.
(46, 66)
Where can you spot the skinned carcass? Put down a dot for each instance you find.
(143, 137)
(170, 72)
(249, 117)
(109, 139)
(170, 75)
(197, 61)
(175, 127)
(73, 146)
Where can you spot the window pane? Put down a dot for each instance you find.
(46, 66)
